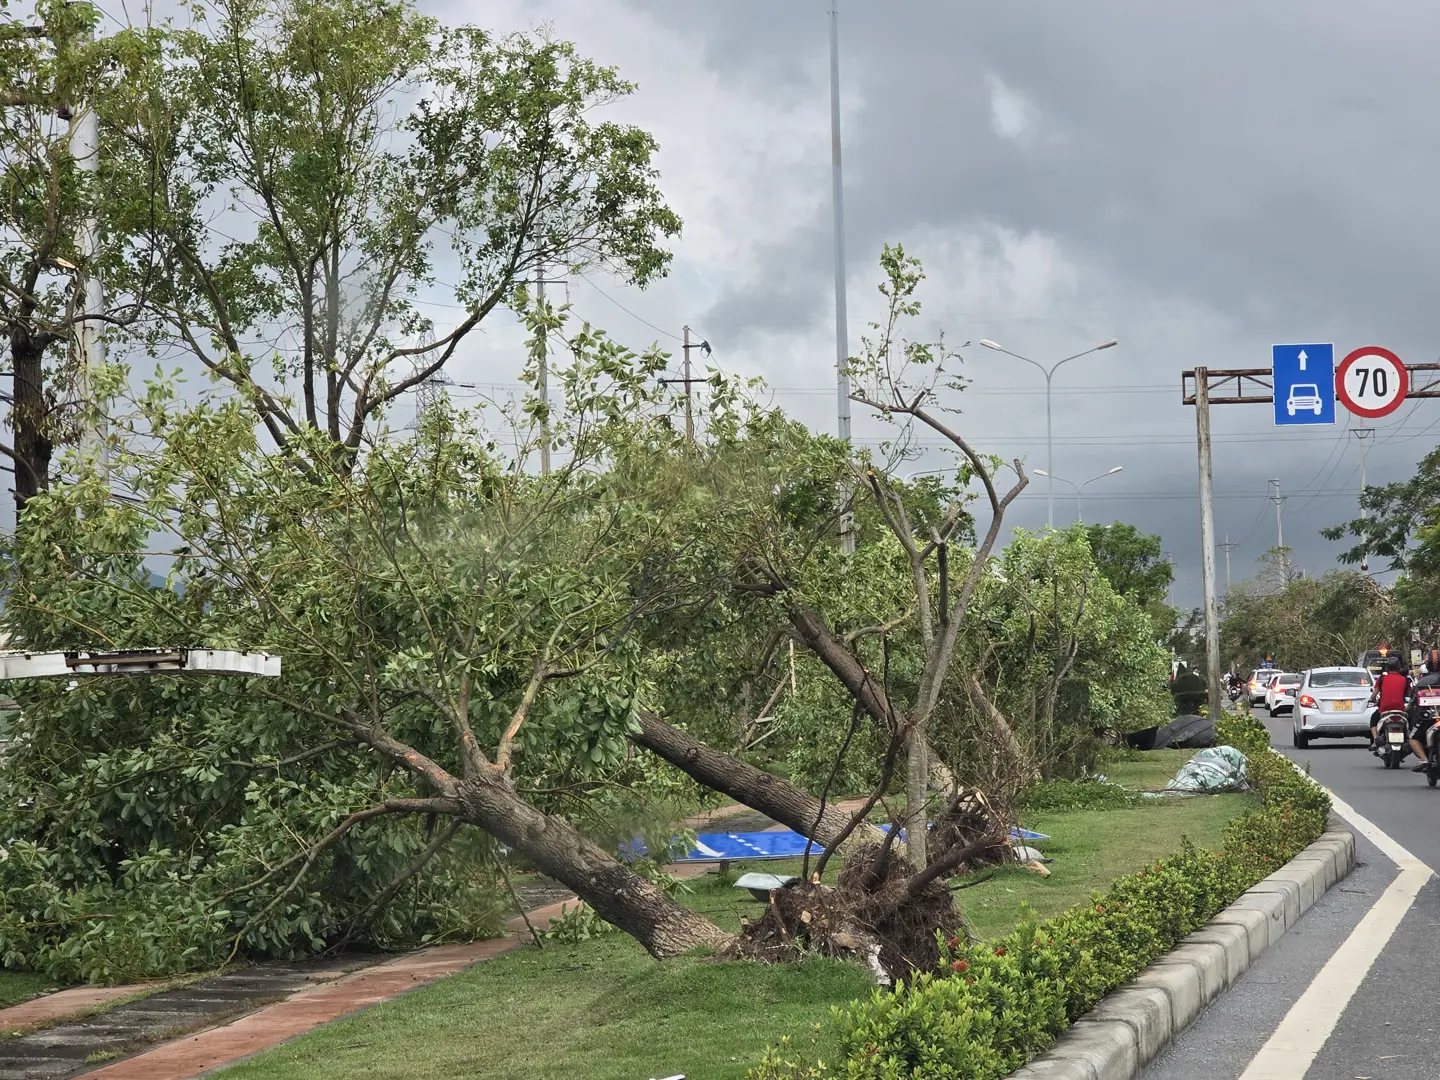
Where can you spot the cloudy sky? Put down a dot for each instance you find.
(1199, 180)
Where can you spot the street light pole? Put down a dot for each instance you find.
(1049, 427)
(842, 336)
(1080, 488)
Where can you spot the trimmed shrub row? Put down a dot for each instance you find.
(994, 1006)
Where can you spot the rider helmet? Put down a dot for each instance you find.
(1394, 663)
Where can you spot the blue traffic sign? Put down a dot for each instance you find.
(1304, 377)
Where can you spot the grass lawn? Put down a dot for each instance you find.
(1091, 848)
(1146, 770)
(604, 1010)
(17, 986)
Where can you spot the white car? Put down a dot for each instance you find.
(1332, 703)
(1280, 694)
(1260, 680)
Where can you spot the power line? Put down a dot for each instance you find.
(627, 311)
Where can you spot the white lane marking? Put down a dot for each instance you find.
(1298, 1040)
(1372, 832)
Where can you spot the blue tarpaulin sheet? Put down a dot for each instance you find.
(734, 847)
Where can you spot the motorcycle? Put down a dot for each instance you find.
(1427, 707)
(1391, 744)
(1235, 689)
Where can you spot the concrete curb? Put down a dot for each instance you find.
(1134, 1024)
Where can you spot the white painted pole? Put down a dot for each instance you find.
(89, 342)
(842, 337)
(1207, 539)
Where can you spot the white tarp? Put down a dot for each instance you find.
(1217, 769)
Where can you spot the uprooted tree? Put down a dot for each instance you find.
(457, 645)
(473, 655)
(901, 379)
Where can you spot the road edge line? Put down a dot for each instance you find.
(1312, 1018)
(1132, 1025)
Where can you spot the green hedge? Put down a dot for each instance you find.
(993, 1007)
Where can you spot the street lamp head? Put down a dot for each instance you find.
(1040, 472)
(1117, 468)
(1108, 344)
(990, 344)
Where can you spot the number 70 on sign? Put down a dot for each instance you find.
(1372, 382)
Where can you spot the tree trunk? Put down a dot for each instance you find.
(1025, 771)
(821, 640)
(30, 418)
(941, 777)
(617, 894)
(746, 784)
(917, 785)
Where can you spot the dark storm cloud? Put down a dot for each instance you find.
(1272, 162)
(1275, 160)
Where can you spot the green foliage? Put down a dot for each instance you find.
(1306, 622)
(1059, 652)
(1060, 795)
(576, 924)
(159, 824)
(991, 1007)
(359, 150)
(1401, 522)
(1134, 565)
(1244, 732)
(49, 198)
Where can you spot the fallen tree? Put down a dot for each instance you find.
(771, 795)
(462, 648)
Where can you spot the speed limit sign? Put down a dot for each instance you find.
(1372, 382)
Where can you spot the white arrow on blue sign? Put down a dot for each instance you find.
(1304, 378)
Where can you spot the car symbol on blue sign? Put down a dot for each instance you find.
(1304, 380)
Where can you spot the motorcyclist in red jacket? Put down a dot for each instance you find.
(1392, 693)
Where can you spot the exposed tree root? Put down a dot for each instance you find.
(881, 911)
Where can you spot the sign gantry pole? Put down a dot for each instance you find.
(1304, 388)
(1207, 541)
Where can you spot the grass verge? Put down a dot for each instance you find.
(604, 1010)
(18, 986)
(601, 1009)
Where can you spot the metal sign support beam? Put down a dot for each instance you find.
(1204, 387)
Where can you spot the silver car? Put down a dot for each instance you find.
(1281, 693)
(1332, 703)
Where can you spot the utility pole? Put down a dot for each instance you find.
(1228, 546)
(689, 413)
(1361, 434)
(689, 380)
(1277, 499)
(1207, 540)
(842, 337)
(542, 367)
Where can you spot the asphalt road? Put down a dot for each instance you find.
(1391, 1028)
